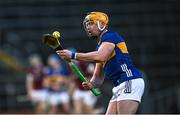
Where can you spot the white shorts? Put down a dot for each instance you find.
(129, 90)
(55, 98)
(38, 95)
(86, 96)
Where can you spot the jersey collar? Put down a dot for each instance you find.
(99, 38)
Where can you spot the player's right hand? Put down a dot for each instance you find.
(87, 85)
(66, 54)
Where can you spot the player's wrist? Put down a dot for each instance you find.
(73, 55)
(97, 82)
(94, 85)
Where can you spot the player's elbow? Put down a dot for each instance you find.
(100, 58)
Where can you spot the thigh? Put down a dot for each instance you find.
(89, 99)
(112, 108)
(127, 106)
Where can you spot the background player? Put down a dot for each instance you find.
(34, 83)
(113, 56)
(83, 100)
(56, 82)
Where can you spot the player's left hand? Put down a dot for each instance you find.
(87, 85)
(64, 54)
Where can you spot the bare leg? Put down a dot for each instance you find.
(112, 108)
(87, 109)
(53, 110)
(127, 106)
(78, 106)
(66, 107)
(40, 108)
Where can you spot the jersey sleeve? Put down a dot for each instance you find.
(109, 38)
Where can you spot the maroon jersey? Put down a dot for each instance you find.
(37, 74)
(83, 68)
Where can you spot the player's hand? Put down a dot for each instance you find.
(66, 54)
(87, 85)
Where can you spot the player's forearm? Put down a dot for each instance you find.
(97, 81)
(29, 83)
(90, 57)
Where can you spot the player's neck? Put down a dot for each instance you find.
(99, 38)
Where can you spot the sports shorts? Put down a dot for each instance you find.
(129, 90)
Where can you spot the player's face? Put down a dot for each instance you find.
(92, 29)
(35, 62)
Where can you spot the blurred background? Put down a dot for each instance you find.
(151, 29)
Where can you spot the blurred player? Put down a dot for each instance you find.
(111, 55)
(56, 82)
(83, 100)
(34, 82)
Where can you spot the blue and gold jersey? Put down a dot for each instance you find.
(118, 67)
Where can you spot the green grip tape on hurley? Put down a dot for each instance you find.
(83, 78)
